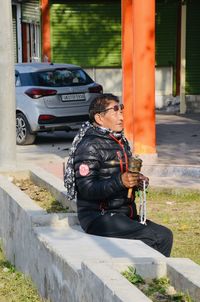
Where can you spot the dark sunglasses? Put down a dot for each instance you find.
(115, 108)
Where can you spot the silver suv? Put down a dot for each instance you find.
(51, 97)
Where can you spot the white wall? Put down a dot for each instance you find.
(111, 80)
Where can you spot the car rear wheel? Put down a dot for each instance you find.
(23, 135)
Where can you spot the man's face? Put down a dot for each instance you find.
(112, 117)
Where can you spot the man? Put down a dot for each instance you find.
(97, 175)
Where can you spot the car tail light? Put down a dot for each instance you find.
(96, 89)
(36, 93)
(45, 118)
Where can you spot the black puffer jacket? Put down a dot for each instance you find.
(100, 159)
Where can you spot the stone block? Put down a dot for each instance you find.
(185, 276)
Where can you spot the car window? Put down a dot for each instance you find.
(61, 78)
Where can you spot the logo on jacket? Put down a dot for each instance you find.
(84, 169)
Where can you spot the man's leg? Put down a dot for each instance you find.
(164, 237)
(121, 226)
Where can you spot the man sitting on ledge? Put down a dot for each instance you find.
(97, 176)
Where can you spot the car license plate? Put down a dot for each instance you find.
(73, 97)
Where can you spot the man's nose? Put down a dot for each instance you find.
(121, 115)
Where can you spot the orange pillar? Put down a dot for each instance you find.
(127, 68)
(140, 120)
(45, 29)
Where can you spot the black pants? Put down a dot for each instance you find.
(121, 226)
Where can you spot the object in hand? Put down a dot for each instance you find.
(134, 166)
(142, 208)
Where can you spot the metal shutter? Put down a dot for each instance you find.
(14, 25)
(193, 47)
(87, 33)
(31, 11)
(166, 35)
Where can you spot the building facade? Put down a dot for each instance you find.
(88, 33)
(26, 30)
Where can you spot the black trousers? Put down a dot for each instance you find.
(121, 226)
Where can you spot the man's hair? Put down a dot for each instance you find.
(100, 103)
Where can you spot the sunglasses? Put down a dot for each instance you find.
(115, 108)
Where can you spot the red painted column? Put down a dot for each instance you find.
(45, 29)
(140, 111)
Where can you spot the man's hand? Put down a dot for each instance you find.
(130, 180)
(140, 181)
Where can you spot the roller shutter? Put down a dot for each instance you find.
(31, 11)
(87, 33)
(14, 26)
(193, 47)
(166, 34)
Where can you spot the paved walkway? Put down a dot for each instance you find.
(178, 150)
(178, 139)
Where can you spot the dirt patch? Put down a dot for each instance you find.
(40, 195)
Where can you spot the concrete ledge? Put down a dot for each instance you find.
(163, 170)
(68, 265)
(173, 176)
(185, 275)
(178, 184)
(109, 286)
(145, 266)
(56, 219)
(54, 185)
(118, 252)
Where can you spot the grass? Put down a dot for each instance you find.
(41, 196)
(14, 286)
(157, 290)
(178, 210)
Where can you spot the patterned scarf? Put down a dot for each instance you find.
(69, 175)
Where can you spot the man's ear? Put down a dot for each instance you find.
(98, 119)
